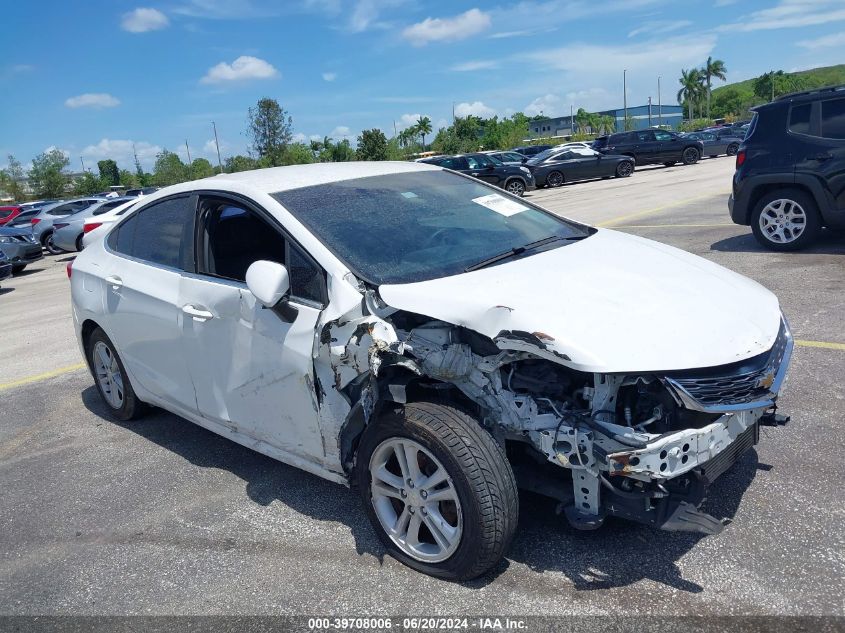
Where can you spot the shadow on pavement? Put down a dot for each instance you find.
(829, 243)
(618, 554)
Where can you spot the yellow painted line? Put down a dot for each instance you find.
(672, 205)
(822, 344)
(670, 226)
(39, 377)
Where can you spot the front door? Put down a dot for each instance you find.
(252, 366)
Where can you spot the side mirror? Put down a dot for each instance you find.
(268, 281)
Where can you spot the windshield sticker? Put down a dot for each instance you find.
(500, 204)
(409, 194)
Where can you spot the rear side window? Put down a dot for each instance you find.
(833, 118)
(799, 119)
(160, 234)
(455, 162)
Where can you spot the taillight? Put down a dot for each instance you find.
(740, 158)
(90, 227)
(69, 268)
(35, 221)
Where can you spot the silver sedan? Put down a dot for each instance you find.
(68, 232)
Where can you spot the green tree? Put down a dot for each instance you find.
(729, 101)
(582, 120)
(47, 174)
(128, 180)
(775, 83)
(270, 129)
(372, 145)
(712, 68)
(691, 88)
(201, 168)
(12, 177)
(86, 184)
(109, 173)
(297, 154)
(239, 163)
(423, 127)
(342, 152)
(169, 169)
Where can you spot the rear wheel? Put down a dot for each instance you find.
(50, 246)
(515, 186)
(79, 244)
(18, 268)
(438, 490)
(624, 169)
(111, 379)
(554, 179)
(690, 156)
(786, 220)
(732, 149)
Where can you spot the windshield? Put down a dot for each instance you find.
(408, 227)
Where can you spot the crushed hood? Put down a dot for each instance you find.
(609, 303)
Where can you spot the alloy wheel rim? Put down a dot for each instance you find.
(625, 169)
(415, 500)
(555, 179)
(691, 155)
(108, 374)
(783, 221)
(516, 187)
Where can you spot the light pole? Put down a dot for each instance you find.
(625, 99)
(659, 105)
(217, 145)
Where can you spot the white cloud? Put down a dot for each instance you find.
(210, 149)
(407, 120)
(547, 105)
(329, 76)
(459, 27)
(790, 14)
(828, 41)
(659, 27)
(21, 68)
(143, 19)
(476, 108)
(474, 65)
(121, 152)
(243, 68)
(92, 100)
(365, 14)
(339, 132)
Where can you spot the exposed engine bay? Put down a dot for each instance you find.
(643, 447)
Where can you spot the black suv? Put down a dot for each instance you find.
(512, 178)
(651, 147)
(790, 169)
(530, 150)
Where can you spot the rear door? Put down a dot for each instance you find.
(481, 167)
(147, 255)
(831, 158)
(253, 367)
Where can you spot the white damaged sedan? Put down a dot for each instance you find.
(435, 343)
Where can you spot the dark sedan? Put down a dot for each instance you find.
(715, 144)
(20, 247)
(512, 178)
(554, 167)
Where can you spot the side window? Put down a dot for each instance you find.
(662, 136)
(159, 234)
(473, 162)
(306, 278)
(62, 209)
(833, 118)
(799, 119)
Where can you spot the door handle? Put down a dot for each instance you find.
(474, 174)
(822, 157)
(198, 314)
(114, 281)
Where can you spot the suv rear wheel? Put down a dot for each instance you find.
(438, 490)
(786, 220)
(690, 156)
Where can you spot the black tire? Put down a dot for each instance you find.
(131, 408)
(714, 155)
(624, 169)
(17, 269)
(48, 244)
(79, 244)
(733, 148)
(812, 225)
(515, 186)
(480, 473)
(554, 179)
(670, 163)
(690, 156)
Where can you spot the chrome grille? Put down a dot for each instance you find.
(743, 389)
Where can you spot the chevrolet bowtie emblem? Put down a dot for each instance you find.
(766, 381)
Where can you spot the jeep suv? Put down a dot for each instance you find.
(515, 179)
(789, 181)
(648, 147)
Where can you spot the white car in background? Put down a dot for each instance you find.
(435, 341)
(97, 226)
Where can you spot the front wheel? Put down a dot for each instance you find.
(786, 220)
(732, 149)
(516, 187)
(111, 379)
(690, 156)
(554, 179)
(51, 246)
(438, 490)
(18, 269)
(624, 169)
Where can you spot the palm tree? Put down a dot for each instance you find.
(690, 88)
(423, 127)
(713, 68)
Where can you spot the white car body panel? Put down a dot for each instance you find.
(610, 303)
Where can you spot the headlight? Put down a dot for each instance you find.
(5, 240)
(525, 169)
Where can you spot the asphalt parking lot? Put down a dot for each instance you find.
(162, 517)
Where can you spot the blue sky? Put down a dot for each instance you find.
(94, 77)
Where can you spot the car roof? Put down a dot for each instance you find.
(275, 179)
